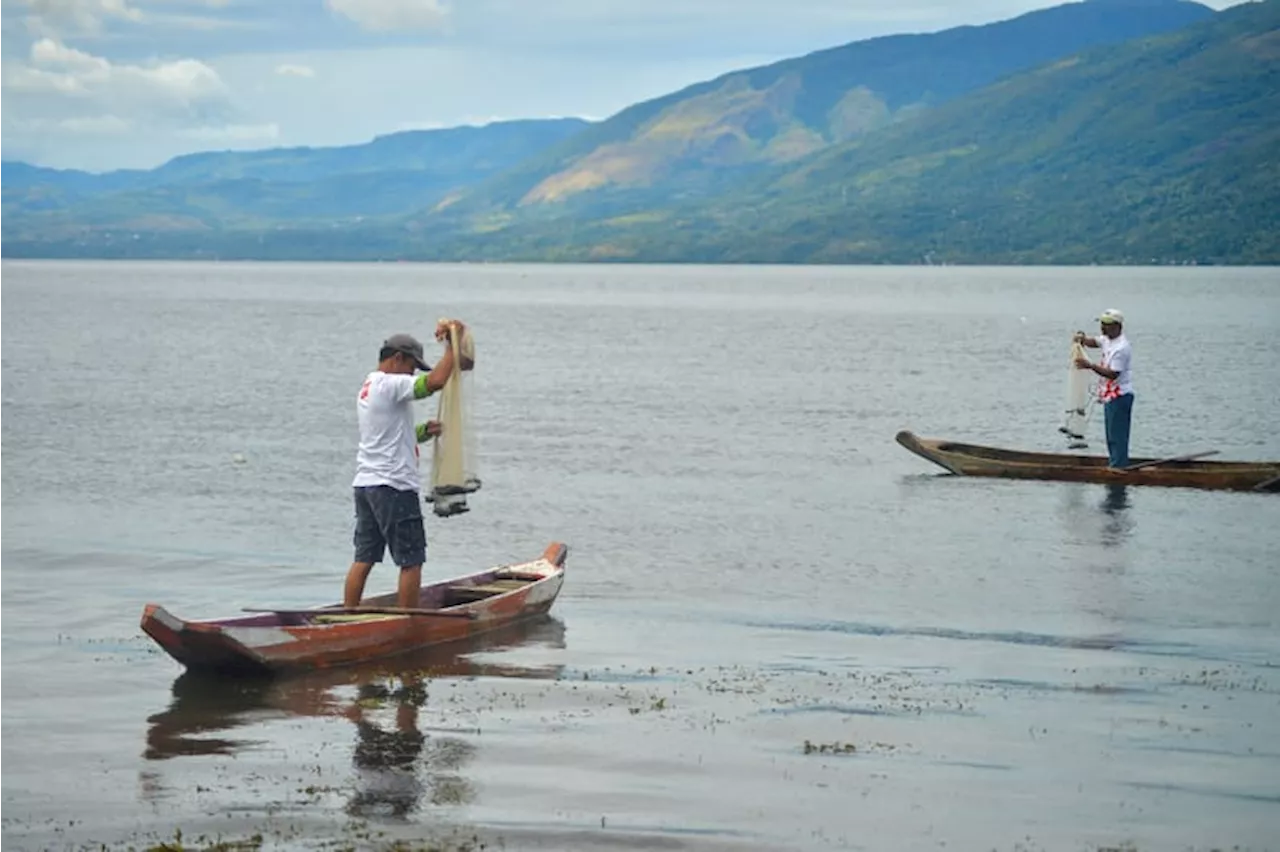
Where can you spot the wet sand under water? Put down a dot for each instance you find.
(499, 744)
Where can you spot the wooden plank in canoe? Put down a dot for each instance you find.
(485, 590)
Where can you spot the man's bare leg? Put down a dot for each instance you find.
(410, 583)
(357, 576)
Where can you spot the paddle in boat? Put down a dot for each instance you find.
(280, 640)
(1187, 471)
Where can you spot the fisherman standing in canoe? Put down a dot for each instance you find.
(1116, 390)
(387, 484)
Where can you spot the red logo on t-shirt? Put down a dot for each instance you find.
(364, 389)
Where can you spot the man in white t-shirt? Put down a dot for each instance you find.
(387, 484)
(1116, 390)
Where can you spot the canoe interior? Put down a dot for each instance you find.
(446, 595)
(996, 454)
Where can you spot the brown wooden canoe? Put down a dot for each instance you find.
(284, 639)
(977, 460)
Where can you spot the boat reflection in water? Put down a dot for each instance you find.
(397, 765)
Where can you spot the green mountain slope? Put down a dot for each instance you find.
(707, 136)
(1164, 149)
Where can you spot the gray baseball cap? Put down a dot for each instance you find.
(409, 345)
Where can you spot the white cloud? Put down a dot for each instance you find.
(61, 99)
(178, 87)
(53, 17)
(291, 70)
(46, 51)
(392, 15)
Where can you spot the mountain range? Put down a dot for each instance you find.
(1105, 131)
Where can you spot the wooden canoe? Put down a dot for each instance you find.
(293, 639)
(977, 460)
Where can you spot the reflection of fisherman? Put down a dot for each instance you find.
(386, 760)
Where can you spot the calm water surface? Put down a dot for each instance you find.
(779, 629)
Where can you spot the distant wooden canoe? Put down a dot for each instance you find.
(976, 460)
(289, 639)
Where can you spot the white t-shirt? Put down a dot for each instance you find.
(388, 452)
(1118, 356)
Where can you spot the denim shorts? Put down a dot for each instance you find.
(388, 518)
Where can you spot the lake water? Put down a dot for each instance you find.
(779, 629)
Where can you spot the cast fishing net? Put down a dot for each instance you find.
(453, 457)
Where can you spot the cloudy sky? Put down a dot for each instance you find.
(102, 84)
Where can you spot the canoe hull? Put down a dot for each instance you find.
(978, 460)
(320, 638)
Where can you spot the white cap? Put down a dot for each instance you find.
(1111, 315)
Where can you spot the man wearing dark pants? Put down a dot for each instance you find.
(387, 485)
(1116, 390)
